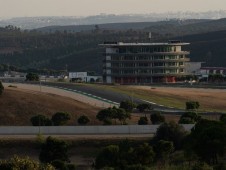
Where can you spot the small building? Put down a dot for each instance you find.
(84, 77)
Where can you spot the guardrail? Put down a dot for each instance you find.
(82, 130)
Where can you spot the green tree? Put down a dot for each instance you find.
(189, 118)
(19, 163)
(40, 120)
(171, 132)
(144, 154)
(163, 149)
(109, 156)
(32, 77)
(127, 105)
(120, 114)
(157, 118)
(54, 149)
(208, 140)
(192, 105)
(105, 115)
(143, 120)
(60, 118)
(83, 120)
(144, 107)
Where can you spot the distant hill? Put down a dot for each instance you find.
(37, 22)
(119, 26)
(76, 47)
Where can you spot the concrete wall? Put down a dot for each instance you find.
(75, 130)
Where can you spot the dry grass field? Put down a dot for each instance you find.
(18, 106)
(210, 99)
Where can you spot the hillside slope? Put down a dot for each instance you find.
(18, 106)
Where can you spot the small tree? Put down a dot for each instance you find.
(121, 114)
(109, 156)
(127, 105)
(157, 118)
(40, 120)
(163, 149)
(144, 107)
(54, 149)
(143, 121)
(1, 88)
(189, 118)
(192, 105)
(32, 77)
(171, 132)
(144, 154)
(105, 115)
(60, 118)
(83, 120)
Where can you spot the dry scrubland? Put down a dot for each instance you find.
(18, 106)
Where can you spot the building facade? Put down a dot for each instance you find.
(136, 63)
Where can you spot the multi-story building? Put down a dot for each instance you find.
(135, 63)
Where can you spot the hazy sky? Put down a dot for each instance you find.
(16, 8)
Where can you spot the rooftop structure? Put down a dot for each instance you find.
(135, 63)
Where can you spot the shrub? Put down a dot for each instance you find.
(32, 77)
(143, 121)
(192, 105)
(157, 118)
(60, 118)
(18, 163)
(40, 120)
(144, 107)
(54, 149)
(83, 120)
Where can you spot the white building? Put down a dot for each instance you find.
(83, 77)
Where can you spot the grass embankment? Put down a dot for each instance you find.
(211, 100)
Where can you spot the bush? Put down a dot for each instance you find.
(83, 120)
(32, 77)
(157, 118)
(144, 107)
(18, 163)
(54, 149)
(1, 88)
(192, 105)
(40, 120)
(143, 121)
(189, 118)
(60, 118)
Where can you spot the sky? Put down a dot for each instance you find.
(29, 8)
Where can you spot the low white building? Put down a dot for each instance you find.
(84, 77)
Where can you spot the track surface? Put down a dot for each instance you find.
(109, 95)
